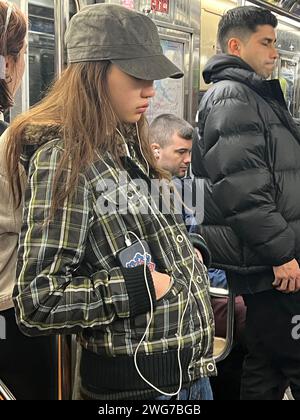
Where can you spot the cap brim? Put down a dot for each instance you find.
(149, 68)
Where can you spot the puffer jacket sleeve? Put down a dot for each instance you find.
(233, 144)
(54, 294)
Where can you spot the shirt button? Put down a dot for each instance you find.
(210, 367)
(179, 239)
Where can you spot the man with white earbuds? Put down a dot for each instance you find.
(171, 142)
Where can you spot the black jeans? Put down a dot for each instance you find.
(273, 361)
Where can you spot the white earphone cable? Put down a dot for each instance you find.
(179, 333)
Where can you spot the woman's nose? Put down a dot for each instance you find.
(148, 89)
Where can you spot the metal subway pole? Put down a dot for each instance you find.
(61, 19)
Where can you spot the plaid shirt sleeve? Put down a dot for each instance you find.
(49, 296)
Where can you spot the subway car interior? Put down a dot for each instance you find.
(188, 34)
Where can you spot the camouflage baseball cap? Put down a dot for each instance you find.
(127, 38)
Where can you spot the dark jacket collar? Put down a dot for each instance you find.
(223, 66)
(229, 67)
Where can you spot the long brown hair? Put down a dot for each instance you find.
(11, 43)
(79, 103)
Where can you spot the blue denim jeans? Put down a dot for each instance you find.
(199, 390)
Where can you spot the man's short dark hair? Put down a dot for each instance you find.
(164, 126)
(242, 22)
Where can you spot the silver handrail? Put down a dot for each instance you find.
(79, 4)
(61, 19)
(216, 292)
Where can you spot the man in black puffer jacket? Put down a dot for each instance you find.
(248, 148)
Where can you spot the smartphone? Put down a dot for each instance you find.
(134, 255)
